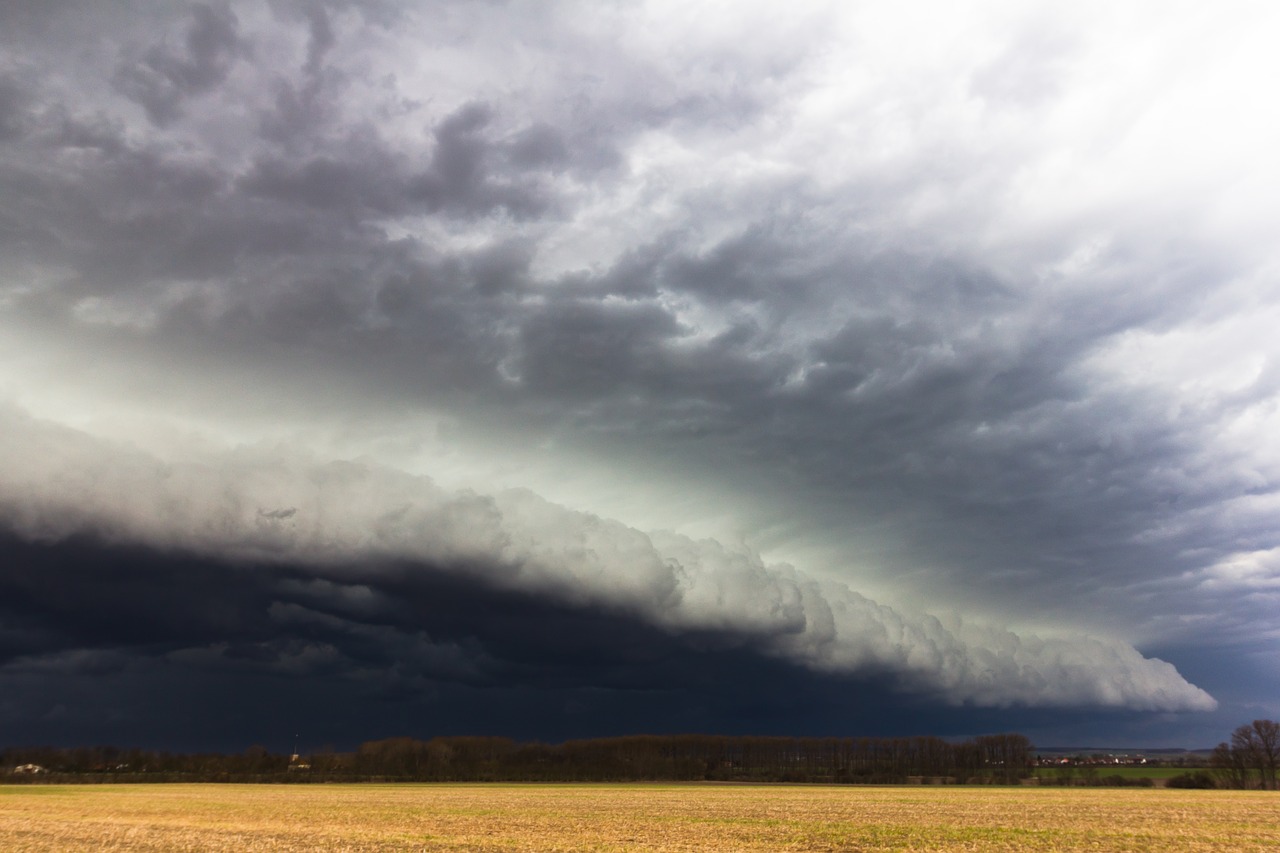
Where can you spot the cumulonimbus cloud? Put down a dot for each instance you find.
(274, 504)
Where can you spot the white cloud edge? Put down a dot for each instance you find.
(280, 505)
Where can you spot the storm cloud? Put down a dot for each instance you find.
(934, 355)
(354, 515)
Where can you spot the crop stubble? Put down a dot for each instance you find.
(628, 817)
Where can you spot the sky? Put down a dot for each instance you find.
(570, 369)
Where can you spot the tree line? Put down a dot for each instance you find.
(1003, 758)
(1249, 759)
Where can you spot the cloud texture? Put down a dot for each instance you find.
(274, 508)
(783, 327)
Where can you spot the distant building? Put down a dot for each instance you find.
(29, 769)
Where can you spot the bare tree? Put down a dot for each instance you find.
(1258, 745)
(1230, 766)
(1267, 736)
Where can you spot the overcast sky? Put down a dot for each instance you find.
(569, 369)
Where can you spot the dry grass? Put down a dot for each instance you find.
(630, 817)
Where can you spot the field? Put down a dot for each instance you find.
(631, 817)
(1127, 772)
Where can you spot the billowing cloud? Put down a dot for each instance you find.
(352, 515)
(162, 78)
(785, 328)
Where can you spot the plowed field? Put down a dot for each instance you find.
(631, 817)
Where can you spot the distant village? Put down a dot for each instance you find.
(1188, 758)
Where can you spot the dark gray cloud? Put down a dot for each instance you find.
(165, 76)
(408, 650)
(14, 104)
(517, 542)
(961, 336)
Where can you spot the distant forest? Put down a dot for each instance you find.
(1003, 758)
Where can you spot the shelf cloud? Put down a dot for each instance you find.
(894, 360)
(363, 518)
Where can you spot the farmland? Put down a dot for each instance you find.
(624, 817)
(1049, 774)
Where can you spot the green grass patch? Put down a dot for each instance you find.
(1127, 772)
